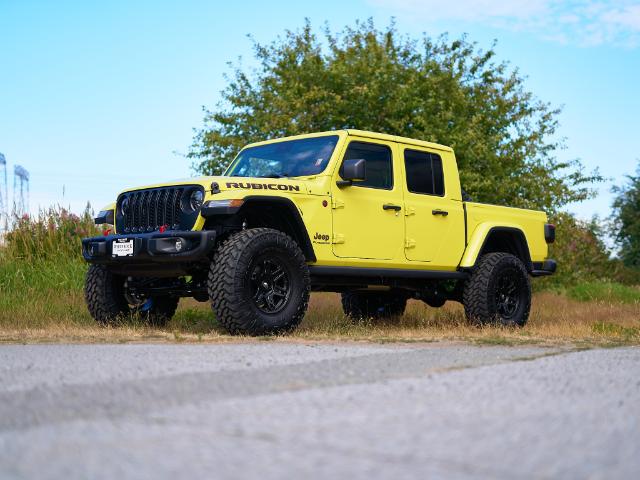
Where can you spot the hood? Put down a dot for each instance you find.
(243, 184)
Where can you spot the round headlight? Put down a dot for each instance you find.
(124, 206)
(195, 200)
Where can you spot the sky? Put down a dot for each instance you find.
(99, 96)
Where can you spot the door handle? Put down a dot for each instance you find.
(444, 213)
(391, 206)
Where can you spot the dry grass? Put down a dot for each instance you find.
(555, 319)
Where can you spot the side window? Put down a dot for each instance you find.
(424, 172)
(379, 164)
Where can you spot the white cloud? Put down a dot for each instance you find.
(626, 17)
(583, 22)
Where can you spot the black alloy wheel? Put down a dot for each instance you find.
(269, 284)
(508, 293)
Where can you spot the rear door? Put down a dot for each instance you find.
(367, 216)
(434, 222)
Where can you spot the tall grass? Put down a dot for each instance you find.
(55, 234)
(41, 294)
(42, 271)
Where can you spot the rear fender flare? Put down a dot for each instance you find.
(483, 232)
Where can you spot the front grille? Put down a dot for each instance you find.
(150, 209)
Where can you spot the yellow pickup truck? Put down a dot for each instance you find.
(378, 218)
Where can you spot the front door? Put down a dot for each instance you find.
(367, 216)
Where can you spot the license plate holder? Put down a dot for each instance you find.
(122, 247)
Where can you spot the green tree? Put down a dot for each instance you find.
(626, 220)
(449, 92)
(580, 252)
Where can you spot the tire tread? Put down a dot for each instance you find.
(476, 289)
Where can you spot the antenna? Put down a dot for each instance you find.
(20, 190)
(4, 194)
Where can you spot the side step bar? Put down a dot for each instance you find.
(358, 275)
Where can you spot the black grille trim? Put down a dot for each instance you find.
(152, 208)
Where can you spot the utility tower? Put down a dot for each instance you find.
(4, 194)
(20, 190)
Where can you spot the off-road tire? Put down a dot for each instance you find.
(230, 282)
(482, 292)
(377, 305)
(105, 297)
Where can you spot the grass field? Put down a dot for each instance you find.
(605, 292)
(41, 299)
(43, 302)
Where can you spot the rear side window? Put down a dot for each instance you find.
(379, 164)
(424, 172)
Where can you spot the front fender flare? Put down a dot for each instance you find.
(300, 229)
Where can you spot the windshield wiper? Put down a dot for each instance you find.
(276, 175)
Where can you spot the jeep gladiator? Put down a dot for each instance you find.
(378, 218)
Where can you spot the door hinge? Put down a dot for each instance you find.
(337, 204)
(409, 211)
(338, 238)
(409, 243)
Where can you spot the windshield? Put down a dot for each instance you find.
(289, 158)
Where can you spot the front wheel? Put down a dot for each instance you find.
(259, 283)
(498, 292)
(108, 300)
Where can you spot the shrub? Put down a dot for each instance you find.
(580, 252)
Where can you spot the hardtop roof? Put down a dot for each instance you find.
(359, 133)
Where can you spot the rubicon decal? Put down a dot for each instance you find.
(264, 186)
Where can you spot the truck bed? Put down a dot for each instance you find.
(483, 217)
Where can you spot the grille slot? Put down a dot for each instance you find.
(150, 209)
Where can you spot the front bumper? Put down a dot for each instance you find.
(151, 248)
(541, 269)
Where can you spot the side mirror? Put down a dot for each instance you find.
(353, 170)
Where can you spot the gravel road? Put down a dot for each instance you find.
(285, 410)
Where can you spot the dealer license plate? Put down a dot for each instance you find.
(122, 247)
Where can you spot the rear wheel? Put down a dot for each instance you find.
(363, 304)
(108, 300)
(498, 292)
(259, 283)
